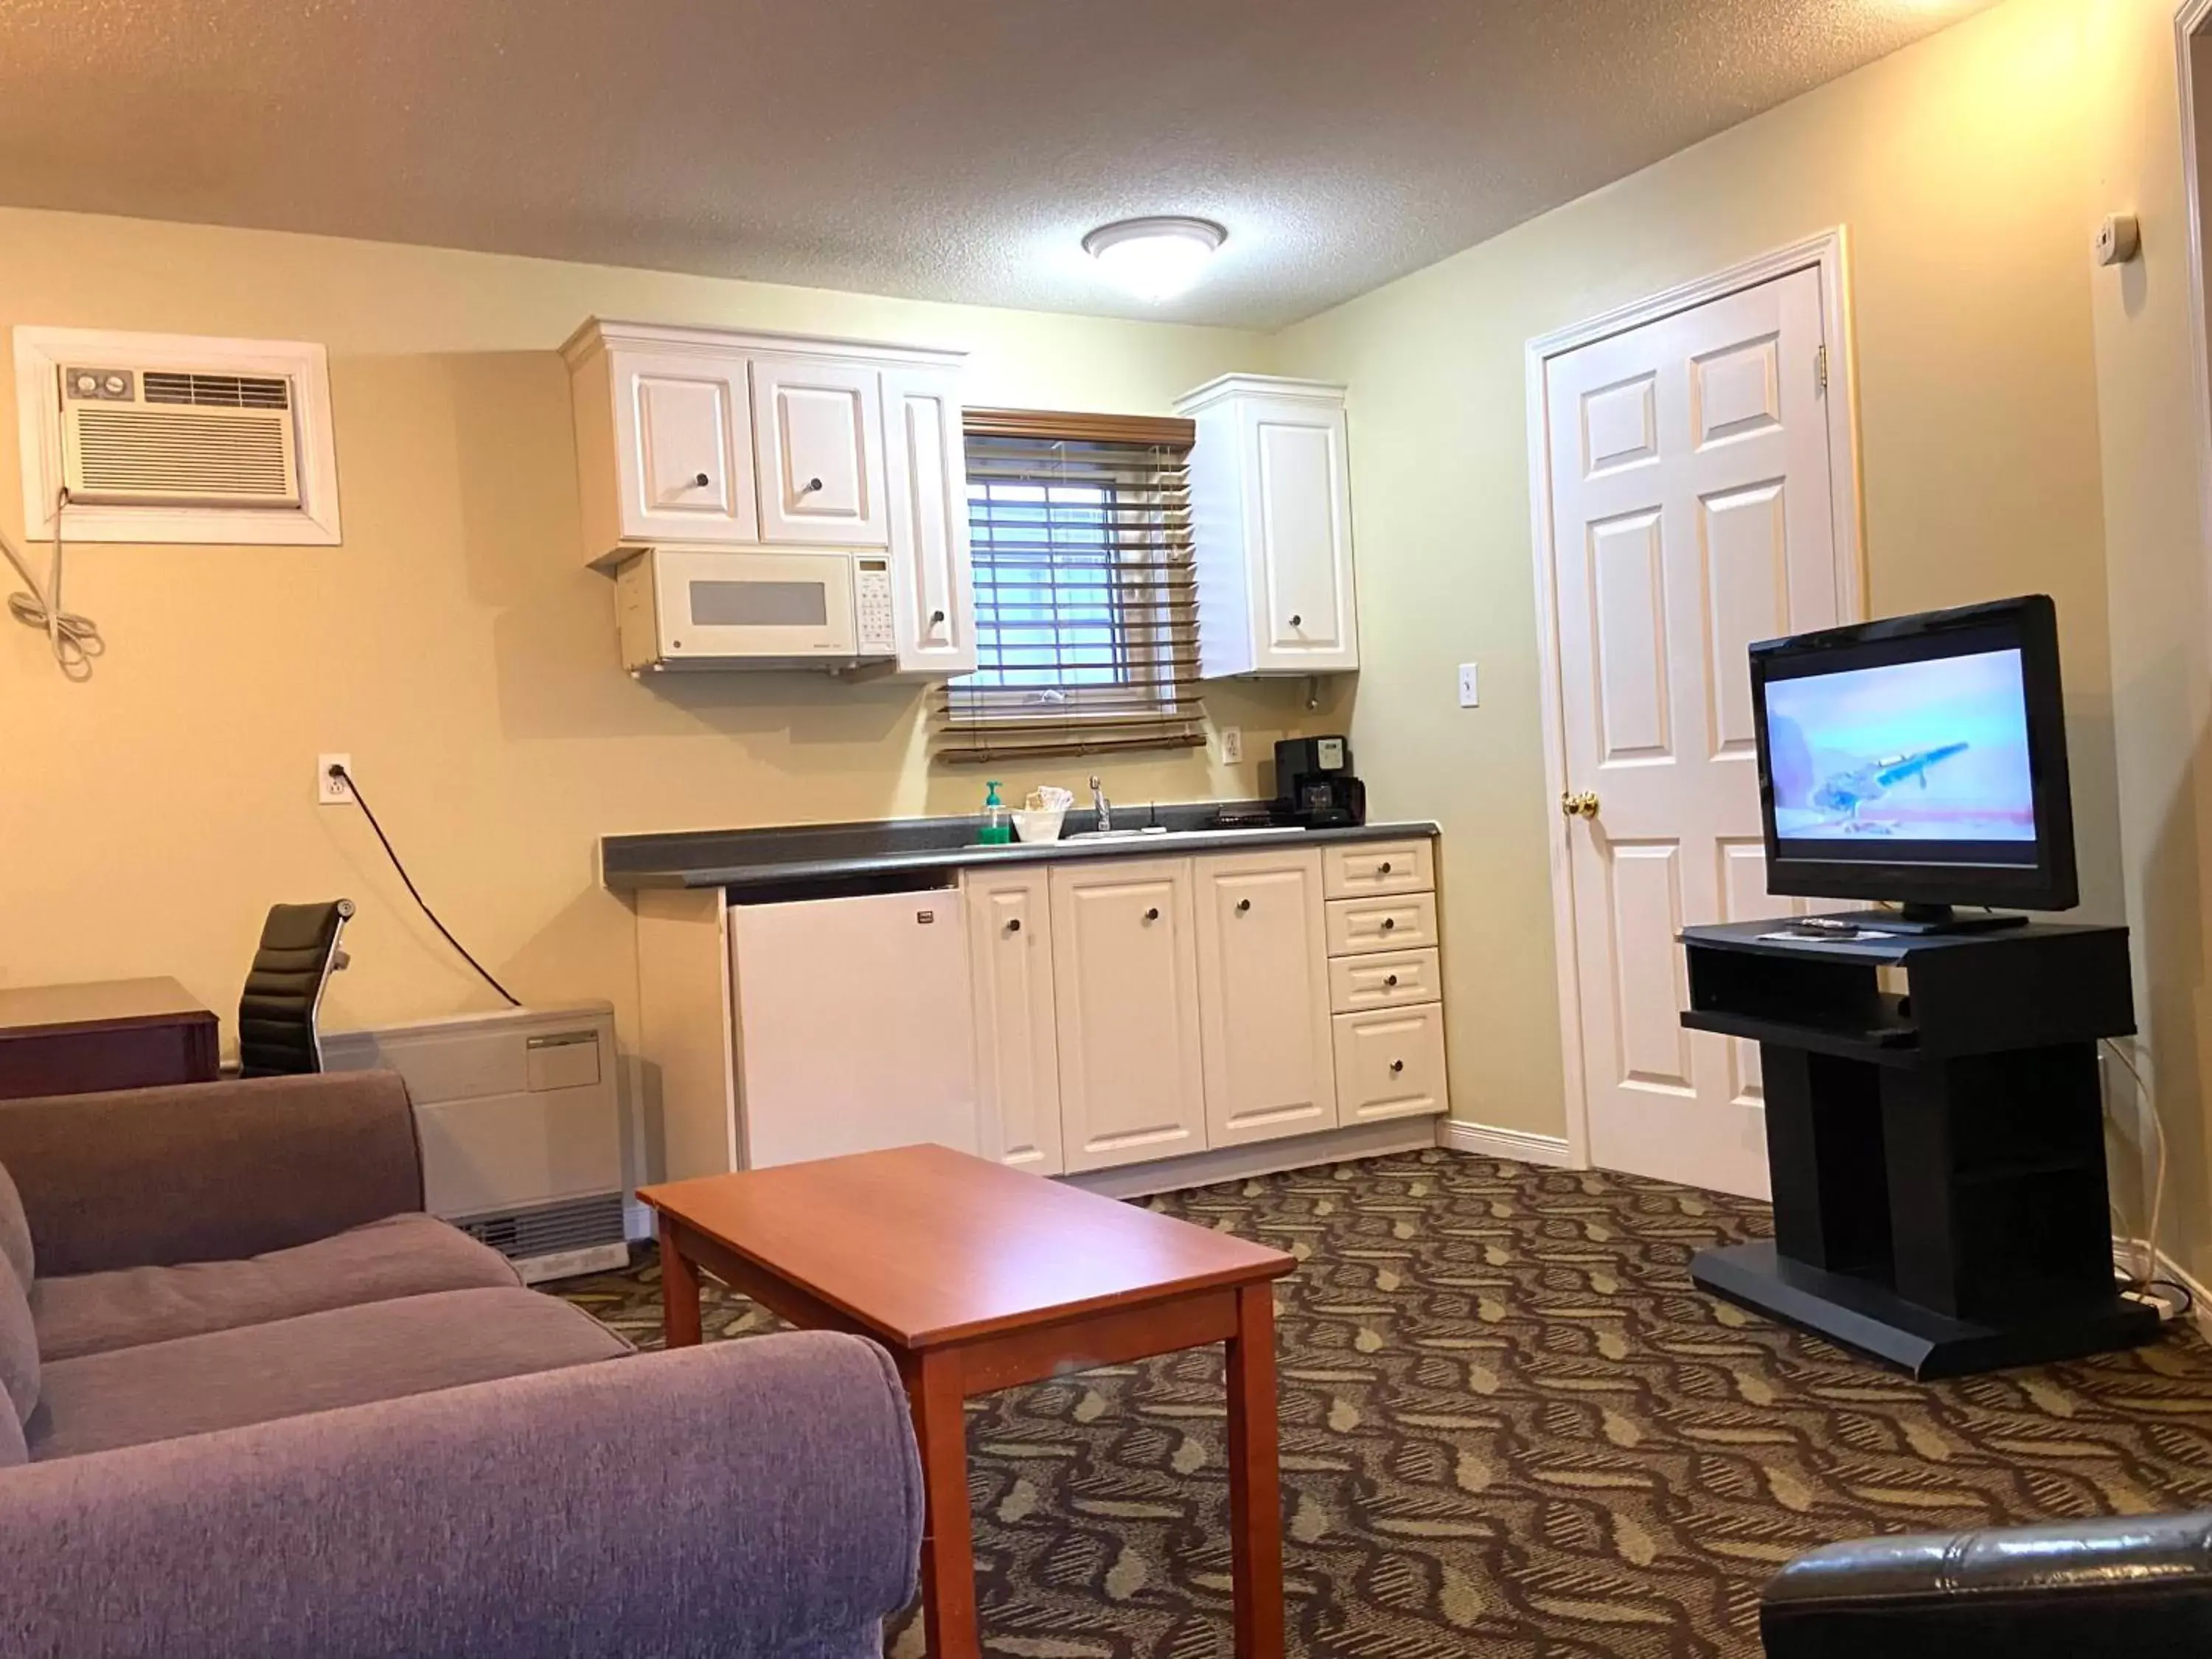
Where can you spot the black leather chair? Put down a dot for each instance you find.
(2137, 1586)
(298, 953)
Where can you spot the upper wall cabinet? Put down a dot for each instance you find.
(704, 438)
(1270, 504)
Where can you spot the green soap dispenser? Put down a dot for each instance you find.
(998, 829)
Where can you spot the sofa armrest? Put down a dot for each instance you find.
(760, 1498)
(209, 1171)
(2133, 1585)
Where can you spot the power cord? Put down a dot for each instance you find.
(2147, 1279)
(353, 788)
(75, 639)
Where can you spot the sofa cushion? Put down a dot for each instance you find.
(19, 1348)
(15, 1232)
(340, 1357)
(400, 1255)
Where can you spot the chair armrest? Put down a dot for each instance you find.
(752, 1498)
(209, 1171)
(2133, 1585)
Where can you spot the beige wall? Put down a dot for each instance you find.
(1957, 167)
(454, 645)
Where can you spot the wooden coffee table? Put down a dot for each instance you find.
(977, 1276)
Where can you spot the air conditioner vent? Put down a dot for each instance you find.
(218, 391)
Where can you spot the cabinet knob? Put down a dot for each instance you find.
(700, 480)
(1298, 622)
(1243, 905)
(1015, 925)
(936, 616)
(811, 486)
(1397, 1066)
(1389, 923)
(1388, 979)
(1383, 868)
(1153, 915)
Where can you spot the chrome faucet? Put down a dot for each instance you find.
(1101, 806)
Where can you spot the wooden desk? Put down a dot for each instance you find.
(111, 1034)
(976, 1277)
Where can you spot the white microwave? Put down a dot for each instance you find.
(698, 608)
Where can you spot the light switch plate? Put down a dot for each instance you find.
(1232, 745)
(1467, 695)
(330, 791)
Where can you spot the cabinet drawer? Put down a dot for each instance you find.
(1402, 923)
(1386, 980)
(1390, 1063)
(1377, 867)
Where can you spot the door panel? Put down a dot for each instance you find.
(932, 582)
(1299, 511)
(1691, 515)
(819, 432)
(1125, 974)
(1016, 1046)
(1263, 997)
(681, 430)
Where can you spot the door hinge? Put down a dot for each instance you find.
(1820, 371)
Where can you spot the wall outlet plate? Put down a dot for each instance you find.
(1468, 694)
(330, 791)
(1232, 745)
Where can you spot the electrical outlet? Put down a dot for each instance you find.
(330, 791)
(1232, 745)
(1469, 698)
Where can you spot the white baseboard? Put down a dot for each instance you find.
(1484, 1141)
(1172, 1175)
(2126, 1256)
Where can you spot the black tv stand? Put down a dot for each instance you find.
(1936, 1148)
(1918, 918)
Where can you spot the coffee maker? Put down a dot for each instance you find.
(1315, 788)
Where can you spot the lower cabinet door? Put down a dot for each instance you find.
(1017, 1047)
(1390, 1063)
(1263, 997)
(1124, 979)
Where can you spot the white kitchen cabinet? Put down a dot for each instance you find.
(1270, 504)
(683, 429)
(817, 431)
(1124, 977)
(1016, 1048)
(925, 467)
(1391, 1063)
(1263, 996)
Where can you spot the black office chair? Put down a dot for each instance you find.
(298, 953)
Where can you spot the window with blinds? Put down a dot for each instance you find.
(1086, 607)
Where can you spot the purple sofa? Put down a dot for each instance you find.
(256, 1402)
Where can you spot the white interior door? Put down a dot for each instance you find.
(1691, 515)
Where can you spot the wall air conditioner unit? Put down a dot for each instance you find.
(134, 436)
(175, 438)
(520, 1128)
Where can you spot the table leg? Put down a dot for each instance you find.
(679, 1292)
(948, 1556)
(1255, 1490)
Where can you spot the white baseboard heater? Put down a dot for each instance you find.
(520, 1128)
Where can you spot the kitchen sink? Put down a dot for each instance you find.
(1165, 834)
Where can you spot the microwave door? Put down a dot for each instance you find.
(790, 606)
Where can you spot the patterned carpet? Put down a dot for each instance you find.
(1510, 1427)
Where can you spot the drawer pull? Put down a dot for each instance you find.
(1015, 925)
(1298, 622)
(1389, 923)
(1384, 869)
(1243, 905)
(1396, 1066)
(936, 617)
(1153, 915)
(700, 480)
(811, 486)
(1388, 979)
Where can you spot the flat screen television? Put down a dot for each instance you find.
(1920, 760)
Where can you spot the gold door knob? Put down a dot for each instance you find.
(1572, 805)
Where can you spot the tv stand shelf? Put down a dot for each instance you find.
(1937, 1150)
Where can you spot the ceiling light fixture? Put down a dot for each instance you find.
(1157, 257)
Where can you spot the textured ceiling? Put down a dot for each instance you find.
(947, 148)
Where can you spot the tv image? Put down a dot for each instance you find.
(1920, 760)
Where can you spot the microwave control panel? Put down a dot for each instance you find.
(871, 594)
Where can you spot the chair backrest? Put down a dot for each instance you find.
(298, 951)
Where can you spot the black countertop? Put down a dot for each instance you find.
(829, 852)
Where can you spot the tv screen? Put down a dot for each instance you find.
(1920, 759)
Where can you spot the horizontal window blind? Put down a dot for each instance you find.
(1087, 604)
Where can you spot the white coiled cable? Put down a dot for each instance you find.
(74, 639)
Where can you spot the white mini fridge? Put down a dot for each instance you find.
(852, 1026)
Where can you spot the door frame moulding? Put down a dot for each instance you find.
(1826, 252)
(2192, 21)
